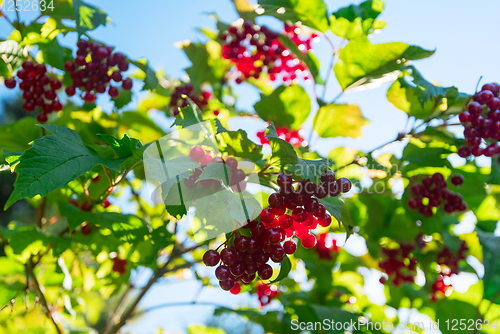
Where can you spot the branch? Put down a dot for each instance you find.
(43, 300)
(40, 212)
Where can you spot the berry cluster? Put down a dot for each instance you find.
(433, 192)
(198, 154)
(326, 247)
(178, 99)
(481, 121)
(266, 293)
(255, 48)
(302, 202)
(400, 264)
(448, 265)
(248, 255)
(39, 90)
(94, 68)
(294, 137)
(119, 265)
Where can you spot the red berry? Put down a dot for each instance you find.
(457, 180)
(89, 97)
(10, 83)
(299, 215)
(290, 247)
(265, 271)
(222, 273)
(106, 204)
(231, 163)
(127, 84)
(241, 243)
(113, 92)
(312, 204)
(42, 118)
(86, 229)
(267, 215)
(211, 258)
(275, 200)
(285, 221)
(320, 212)
(197, 153)
(227, 284)
(325, 221)
(29, 106)
(236, 289)
(228, 256)
(308, 241)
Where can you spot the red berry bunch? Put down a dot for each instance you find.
(481, 121)
(247, 256)
(300, 38)
(198, 154)
(294, 137)
(305, 210)
(449, 265)
(400, 264)
(255, 48)
(433, 192)
(266, 293)
(326, 247)
(120, 265)
(39, 90)
(94, 68)
(178, 99)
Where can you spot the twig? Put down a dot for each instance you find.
(8, 20)
(40, 212)
(45, 304)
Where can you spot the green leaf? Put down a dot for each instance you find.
(188, 116)
(127, 227)
(52, 162)
(124, 98)
(207, 62)
(339, 120)
(149, 77)
(450, 309)
(357, 20)
(404, 97)
(312, 13)
(420, 154)
(339, 211)
(362, 62)
(87, 17)
(219, 172)
(18, 135)
(283, 152)
(308, 58)
(285, 268)
(309, 169)
(237, 144)
(124, 147)
(491, 279)
(286, 106)
(54, 54)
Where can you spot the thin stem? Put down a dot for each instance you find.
(8, 20)
(40, 212)
(43, 300)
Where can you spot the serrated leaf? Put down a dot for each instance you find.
(52, 162)
(357, 20)
(87, 17)
(309, 169)
(207, 62)
(237, 144)
(188, 116)
(286, 106)
(283, 152)
(123, 98)
(127, 227)
(339, 120)
(362, 62)
(149, 78)
(216, 171)
(339, 211)
(312, 13)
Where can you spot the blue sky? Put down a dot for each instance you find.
(462, 33)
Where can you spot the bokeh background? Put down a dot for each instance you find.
(462, 32)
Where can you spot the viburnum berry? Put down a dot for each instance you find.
(326, 247)
(256, 49)
(434, 190)
(86, 229)
(294, 137)
(211, 258)
(481, 123)
(400, 265)
(179, 98)
(95, 75)
(236, 289)
(39, 90)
